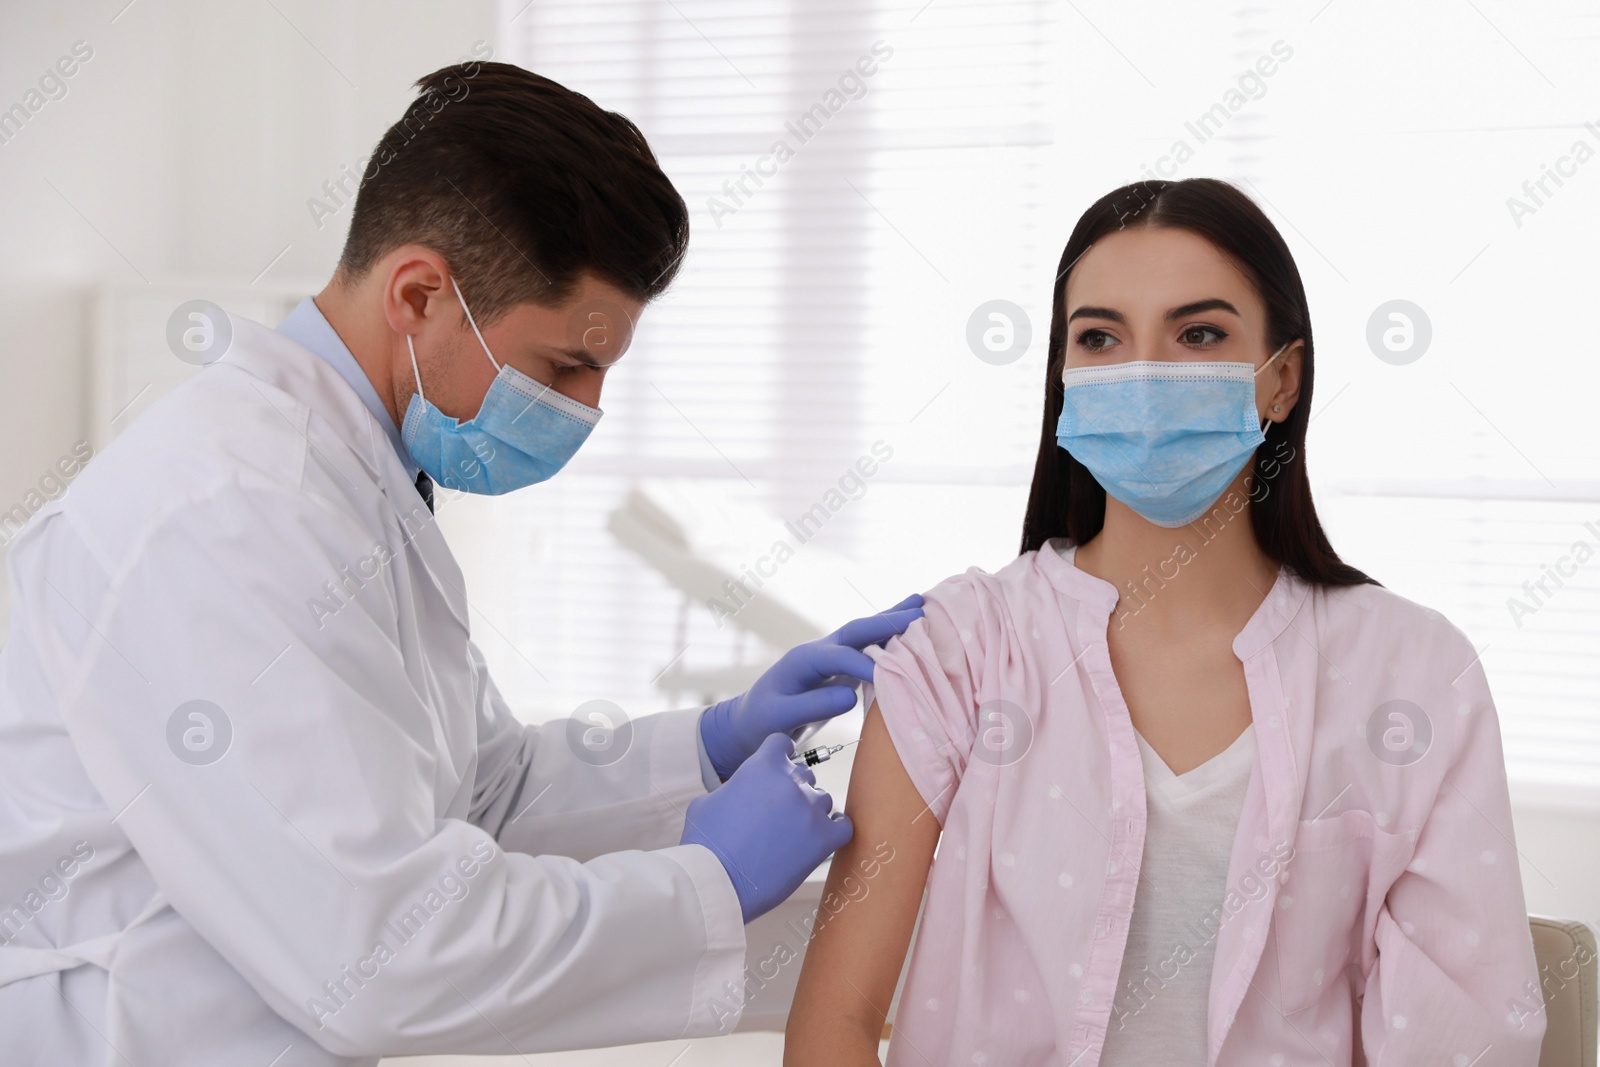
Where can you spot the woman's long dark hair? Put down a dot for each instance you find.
(1066, 501)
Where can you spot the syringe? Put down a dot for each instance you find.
(821, 754)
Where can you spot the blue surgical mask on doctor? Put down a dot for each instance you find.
(523, 432)
(1164, 438)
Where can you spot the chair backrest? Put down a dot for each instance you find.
(1565, 949)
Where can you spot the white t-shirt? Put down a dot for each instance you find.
(1159, 1013)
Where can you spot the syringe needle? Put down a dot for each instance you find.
(821, 754)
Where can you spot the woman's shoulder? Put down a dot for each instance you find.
(1008, 592)
(1378, 614)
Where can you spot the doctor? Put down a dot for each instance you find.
(260, 801)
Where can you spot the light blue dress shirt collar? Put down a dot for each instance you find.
(307, 326)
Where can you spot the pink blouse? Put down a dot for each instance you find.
(1374, 903)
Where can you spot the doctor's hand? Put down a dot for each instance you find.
(792, 693)
(769, 825)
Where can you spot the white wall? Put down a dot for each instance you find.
(185, 147)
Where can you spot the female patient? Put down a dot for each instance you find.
(1203, 793)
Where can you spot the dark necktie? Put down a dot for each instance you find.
(425, 489)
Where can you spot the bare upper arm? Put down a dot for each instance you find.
(869, 906)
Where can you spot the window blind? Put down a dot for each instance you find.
(826, 302)
(823, 150)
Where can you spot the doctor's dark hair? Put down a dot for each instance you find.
(521, 185)
(1067, 501)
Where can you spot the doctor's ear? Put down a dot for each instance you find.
(416, 289)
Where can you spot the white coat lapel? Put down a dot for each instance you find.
(385, 497)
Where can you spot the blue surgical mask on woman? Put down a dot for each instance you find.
(1164, 438)
(523, 432)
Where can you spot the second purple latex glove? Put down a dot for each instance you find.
(810, 682)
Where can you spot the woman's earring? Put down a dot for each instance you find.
(1275, 407)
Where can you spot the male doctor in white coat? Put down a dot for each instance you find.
(260, 802)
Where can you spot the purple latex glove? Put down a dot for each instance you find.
(768, 824)
(811, 682)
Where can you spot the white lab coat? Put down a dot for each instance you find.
(383, 861)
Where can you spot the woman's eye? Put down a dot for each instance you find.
(1087, 336)
(1190, 335)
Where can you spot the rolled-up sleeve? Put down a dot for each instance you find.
(925, 682)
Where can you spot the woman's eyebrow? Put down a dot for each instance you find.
(1212, 304)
